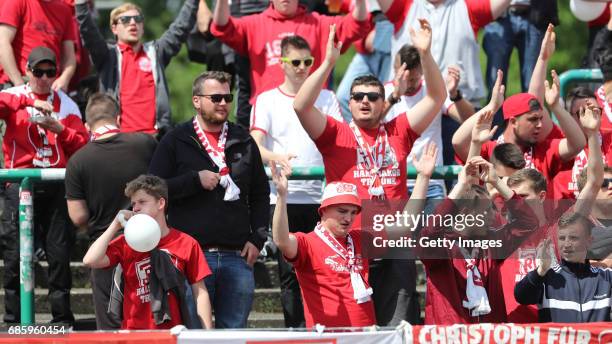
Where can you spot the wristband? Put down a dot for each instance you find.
(392, 100)
(457, 97)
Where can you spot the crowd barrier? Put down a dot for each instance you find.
(593, 333)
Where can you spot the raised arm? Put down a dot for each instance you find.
(92, 37)
(574, 140)
(169, 44)
(425, 167)
(427, 108)
(536, 84)
(204, 17)
(481, 133)
(462, 109)
(590, 118)
(285, 241)
(68, 67)
(462, 138)
(7, 55)
(221, 14)
(498, 7)
(310, 117)
(96, 257)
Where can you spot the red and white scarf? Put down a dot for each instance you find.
(361, 290)
(373, 158)
(475, 292)
(217, 154)
(528, 155)
(601, 94)
(103, 130)
(44, 153)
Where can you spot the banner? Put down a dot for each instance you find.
(548, 333)
(284, 337)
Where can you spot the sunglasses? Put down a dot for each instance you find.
(606, 183)
(216, 98)
(372, 96)
(127, 19)
(297, 62)
(50, 73)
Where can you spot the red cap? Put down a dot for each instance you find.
(519, 104)
(340, 193)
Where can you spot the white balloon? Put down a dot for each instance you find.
(587, 10)
(142, 233)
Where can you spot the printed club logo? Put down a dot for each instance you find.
(144, 64)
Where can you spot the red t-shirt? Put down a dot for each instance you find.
(137, 91)
(479, 12)
(38, 23)
(566, 181)
(546, 159)
(213, 137)
(326, 283)
(338, 147)
(186, 255)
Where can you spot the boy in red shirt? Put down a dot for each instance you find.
(149, 195)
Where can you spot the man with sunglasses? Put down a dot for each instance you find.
(144, 100)
(372, 155)
(25, 25)
(258, 36)
(40, 139)
(281, 138)
(219, 194)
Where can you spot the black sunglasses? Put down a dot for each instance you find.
(606, 183)
(216, 98)
(50, 73)
(372, 96)
(127, 19)
(297, 62)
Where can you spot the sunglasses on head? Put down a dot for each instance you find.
(297, 62)
(127, 19)
(50, 73)
(372, 96)
(606, 183)
(216, 98)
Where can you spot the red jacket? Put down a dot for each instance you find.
(258, 36)
(22, 137)
(446, 276)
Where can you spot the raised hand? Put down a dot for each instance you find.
(332, 51)
(421, 39)
(279, 178)
(486, 170)
(426, 165)
(468, 173)
(401, 81)
(497, 95)
(543, 258)
(548, 43)
(590, 118)
(482, 132)
(453, 76)
(553, 91)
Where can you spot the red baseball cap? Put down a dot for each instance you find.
(519, 104)
(340, 193)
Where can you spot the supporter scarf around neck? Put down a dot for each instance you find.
(528, 155)
(103, 130)
(477, 298)
(45, 152)
(373, 158)
(361, 290)
(601, 94)
(217, 154)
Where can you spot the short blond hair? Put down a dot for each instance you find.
(116, 12)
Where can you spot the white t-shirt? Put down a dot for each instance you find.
(273, 115)
(433, 131)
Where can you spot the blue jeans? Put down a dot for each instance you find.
(231, 288)
(377, 63)
(500, 38)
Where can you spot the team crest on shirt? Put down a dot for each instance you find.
(527, 262)
(338, 264)
(144, 63)
(143, 270)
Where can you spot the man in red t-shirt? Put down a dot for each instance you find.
(149, 195)
(26, 24)
(372, 154)
(524, 115)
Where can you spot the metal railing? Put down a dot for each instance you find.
(578, 75)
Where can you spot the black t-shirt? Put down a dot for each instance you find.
(99, 171)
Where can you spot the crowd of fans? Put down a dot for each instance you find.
(413, 95)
